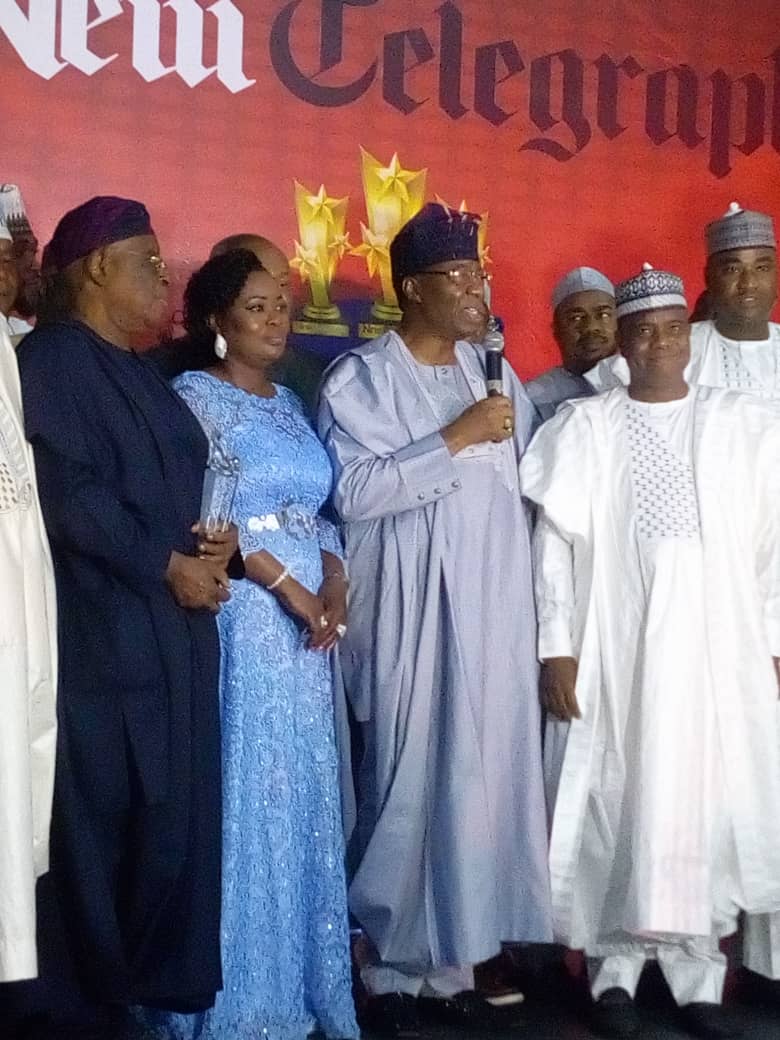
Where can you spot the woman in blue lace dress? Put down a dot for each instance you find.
(285, 939)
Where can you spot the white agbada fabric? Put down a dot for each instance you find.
(658, 568)
(18, 329)
(751, 366)
(27, 692)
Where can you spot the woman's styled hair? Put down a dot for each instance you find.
(210, 291)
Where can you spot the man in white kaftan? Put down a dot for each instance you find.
(439, 657)
(27, 272)
(27, 684)
(739, 348)
(658, 593)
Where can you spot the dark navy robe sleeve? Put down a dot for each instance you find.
(74, 463)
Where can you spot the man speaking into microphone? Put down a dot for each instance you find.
(439, 659)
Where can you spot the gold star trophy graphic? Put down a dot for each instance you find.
(393, 196)
(323, 243)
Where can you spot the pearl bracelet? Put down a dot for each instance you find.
(278, 581)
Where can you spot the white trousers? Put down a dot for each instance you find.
(694, 968)
(761, 944)
(444, 982)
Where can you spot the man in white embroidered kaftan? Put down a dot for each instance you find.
(658, 593)
(738, 347)
(27, 680)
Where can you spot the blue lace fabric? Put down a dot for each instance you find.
(285, 937)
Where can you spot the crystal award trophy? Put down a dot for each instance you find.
(219, 487)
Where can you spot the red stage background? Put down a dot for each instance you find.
(605, 132)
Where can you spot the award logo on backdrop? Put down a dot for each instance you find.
(592, 136)
(741, 113)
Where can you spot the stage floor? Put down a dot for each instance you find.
(559, 1012)
(546, 1024)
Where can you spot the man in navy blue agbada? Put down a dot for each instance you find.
(130, 912)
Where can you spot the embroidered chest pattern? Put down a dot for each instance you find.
(736, 374)
(664, 486)
(15, 485)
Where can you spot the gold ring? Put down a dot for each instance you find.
(508, 424)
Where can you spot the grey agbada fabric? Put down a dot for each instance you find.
(450, 837)
(554, 387)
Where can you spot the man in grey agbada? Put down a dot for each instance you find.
(439, 660)
(584, 328)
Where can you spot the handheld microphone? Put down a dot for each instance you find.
(493, 344)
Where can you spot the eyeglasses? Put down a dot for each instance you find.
(157, 262)
(464, 275)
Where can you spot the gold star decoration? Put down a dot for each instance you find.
(380, 182)
(374, 248)
(394, 179)
(305, 261)
(320, 206)
(339, 244)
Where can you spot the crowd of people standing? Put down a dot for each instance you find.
(461, 670)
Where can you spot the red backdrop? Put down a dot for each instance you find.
(604, 132)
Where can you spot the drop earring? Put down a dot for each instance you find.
(220, 346)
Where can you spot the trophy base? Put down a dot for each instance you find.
(386, 312)
(373, 329)
(315, 312)
(320, 328)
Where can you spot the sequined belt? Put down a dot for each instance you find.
(293, 519)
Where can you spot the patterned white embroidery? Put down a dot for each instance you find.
(664, 486)
(15, 485)
(736, 374)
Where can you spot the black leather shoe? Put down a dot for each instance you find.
(614, 1015)
(494, 981)
(391, 1014)
(710, 1021)
(464, 1010)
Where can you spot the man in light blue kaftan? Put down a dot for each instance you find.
(285, 941)
(439, 661)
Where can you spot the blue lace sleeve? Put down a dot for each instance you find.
(329, 537)
(193, 390)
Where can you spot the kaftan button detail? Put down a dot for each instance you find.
(456, 483)
(421, 496)
(437, 491)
